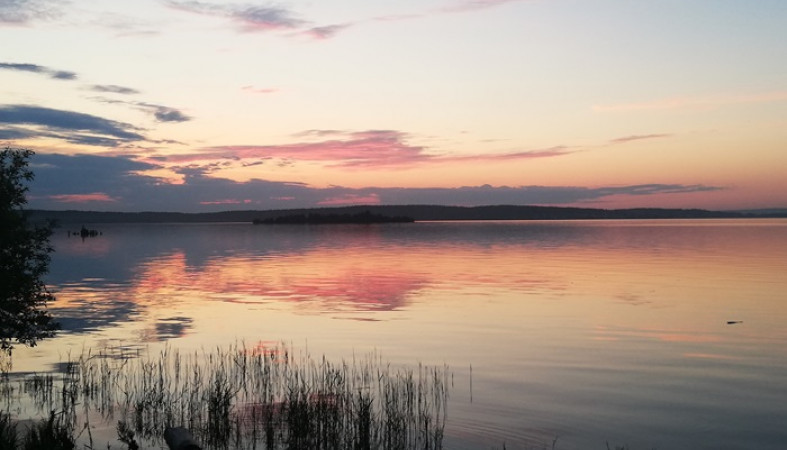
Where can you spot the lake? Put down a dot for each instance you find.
(587, 332)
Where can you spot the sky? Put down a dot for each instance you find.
(192, 106)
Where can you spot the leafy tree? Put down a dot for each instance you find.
(24, 258)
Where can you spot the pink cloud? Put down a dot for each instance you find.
(699, 102)
(360, 149)
(82, 198)
(351, 199)
(375, 147)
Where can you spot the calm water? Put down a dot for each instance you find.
(585, 331)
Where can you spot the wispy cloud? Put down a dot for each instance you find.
(35, 68)
(473, 5)
(461, 6)
(257, 90)
(651, 189)
(160, 112)
(638, 137)
(68, 125)
(20, 12)
(360, 149)
(250, 17)
(325, 32)
(550, 152)
(113, 89)
(696, 102)
(319, 133)
(373, 147)
(261, 18)
(123, 25)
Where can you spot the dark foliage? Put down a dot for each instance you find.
(24, 258)
(8, 436)
(51, 434)
(416, 212)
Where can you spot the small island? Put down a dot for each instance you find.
(365, 217)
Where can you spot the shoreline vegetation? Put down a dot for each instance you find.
(415, 212)
(229, 398)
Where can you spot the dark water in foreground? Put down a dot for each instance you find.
(586, 331)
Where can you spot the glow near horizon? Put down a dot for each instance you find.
(428, 95)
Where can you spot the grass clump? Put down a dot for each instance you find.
(242, 398)
(52, 434)
(8, 436)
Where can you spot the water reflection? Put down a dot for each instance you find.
(332, 277)
(592, 331)
(168, 328)
(677, 271)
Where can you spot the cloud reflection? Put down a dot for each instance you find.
(168, 328)
(322, 281)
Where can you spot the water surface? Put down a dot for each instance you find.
(586, 331)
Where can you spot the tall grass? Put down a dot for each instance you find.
(237, 398)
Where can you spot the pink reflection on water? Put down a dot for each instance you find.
(328, 278)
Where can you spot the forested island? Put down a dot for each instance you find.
(365, 217)
(416, 212)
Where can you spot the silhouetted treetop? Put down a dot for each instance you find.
(24, 258)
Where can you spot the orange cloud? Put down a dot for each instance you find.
(82, 198)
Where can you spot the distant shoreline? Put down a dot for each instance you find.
(361, 218)
(416, 212)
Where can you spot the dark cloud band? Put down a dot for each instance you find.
(69, 125)
(119, 179)
(35, 68)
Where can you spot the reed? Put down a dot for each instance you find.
(55, 433)
(257, 398)
(8, 435)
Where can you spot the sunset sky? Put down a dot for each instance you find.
(216, 105)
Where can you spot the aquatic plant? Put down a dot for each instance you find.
(54, 433)
(238, 397)
(8, 436)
